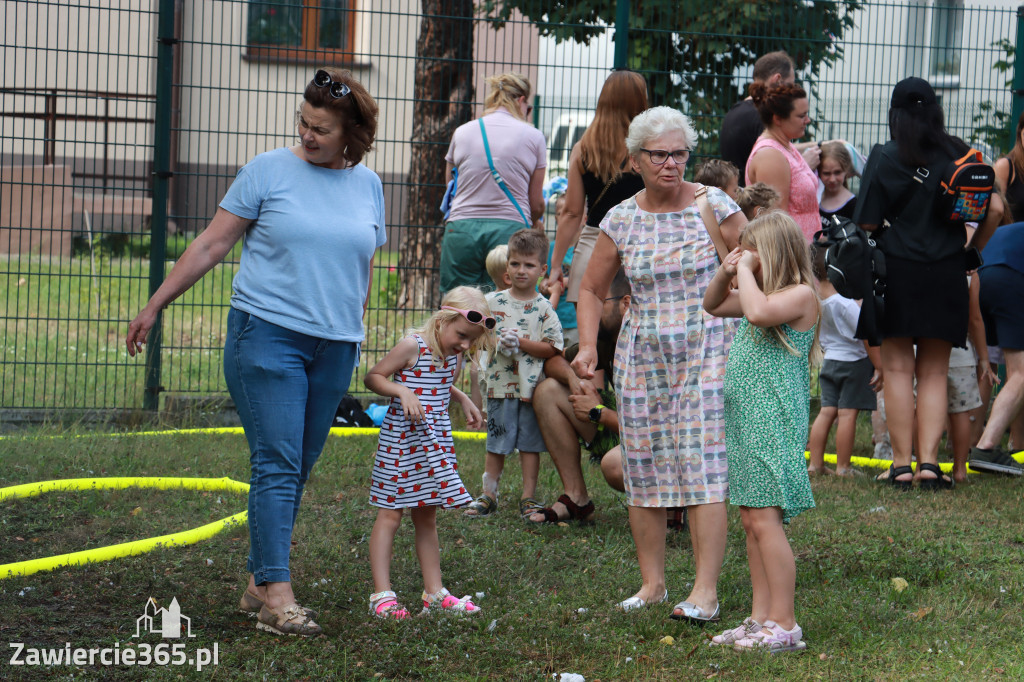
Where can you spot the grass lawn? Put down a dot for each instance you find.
(65, 322)
(549, 592)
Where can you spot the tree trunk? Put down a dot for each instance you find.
(443, 96)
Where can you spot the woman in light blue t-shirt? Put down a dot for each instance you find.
(310, 218)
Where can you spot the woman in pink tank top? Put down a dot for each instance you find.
(776, 162)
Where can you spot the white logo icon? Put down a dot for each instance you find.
(165, 622)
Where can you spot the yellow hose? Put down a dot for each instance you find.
(187, 537)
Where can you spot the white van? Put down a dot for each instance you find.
(567, 131)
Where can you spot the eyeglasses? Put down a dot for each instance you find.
(322, 79)
(614, 298)
(660, 156)
(474, 316)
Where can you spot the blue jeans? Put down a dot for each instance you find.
(286, 387)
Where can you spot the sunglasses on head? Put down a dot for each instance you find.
(322, 79)
(474, 316)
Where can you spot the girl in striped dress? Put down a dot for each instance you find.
(415, 466)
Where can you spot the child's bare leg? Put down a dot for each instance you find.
(428, 548)
(846, 434)
(1017, 433)
(761, 603)
(493, 466)
(777, 559)
(819, 436)
(979, 413)
(960, 440)
(530, 464)
(879, 429)
(382, 541)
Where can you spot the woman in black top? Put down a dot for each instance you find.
(926, 289)
(1010, 174)
(599, 177)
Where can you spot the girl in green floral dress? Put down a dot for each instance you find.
(766, 412)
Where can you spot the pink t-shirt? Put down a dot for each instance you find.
(518, 149)
(803, 186)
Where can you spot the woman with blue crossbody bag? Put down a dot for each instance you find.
(501, 161)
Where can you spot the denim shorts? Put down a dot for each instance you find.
(1000, 306)
(511, 425)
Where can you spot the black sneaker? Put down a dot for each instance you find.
(994, 461)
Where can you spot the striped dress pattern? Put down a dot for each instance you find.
(415, 463)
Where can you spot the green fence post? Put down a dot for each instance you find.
(1017, 101)
(621, 33)
(166, 41)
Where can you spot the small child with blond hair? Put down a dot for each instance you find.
(415, 467)
(497, 267)
(756, 199)
(496, 264)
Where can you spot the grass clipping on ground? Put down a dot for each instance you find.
(889, 585)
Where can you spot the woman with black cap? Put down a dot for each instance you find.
(926, 296)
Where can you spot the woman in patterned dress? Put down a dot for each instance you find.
(670, 356)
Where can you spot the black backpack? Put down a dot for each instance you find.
(964, 189)
(856, 268)
(351, 413)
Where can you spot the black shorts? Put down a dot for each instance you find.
(1001, 308)
(846, 384)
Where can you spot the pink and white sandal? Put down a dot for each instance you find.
(773, 640)
(385, 605)
(747, 628)
(443, 601)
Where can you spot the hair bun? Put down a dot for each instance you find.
(758, 91)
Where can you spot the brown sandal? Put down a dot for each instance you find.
(287, 620)
(584, 514)
(251, 604)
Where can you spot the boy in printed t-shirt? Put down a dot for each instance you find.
(529, 333)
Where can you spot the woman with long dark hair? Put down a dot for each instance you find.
(1010, 173)
(599, 176)
(926, 299)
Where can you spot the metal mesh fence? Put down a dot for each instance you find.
(82, 224)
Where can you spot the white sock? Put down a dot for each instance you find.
(491, 485)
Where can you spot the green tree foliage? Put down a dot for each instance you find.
(690, 50)
(992, 124)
